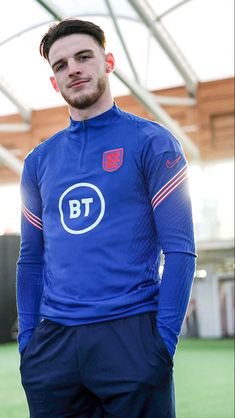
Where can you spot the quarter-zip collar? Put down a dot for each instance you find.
(104, 119)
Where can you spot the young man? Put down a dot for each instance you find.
(101, 199)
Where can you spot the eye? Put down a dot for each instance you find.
(59, 67)
(83, 58)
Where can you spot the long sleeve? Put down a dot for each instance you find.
(174, 296)
(29, 280)
(167, 179)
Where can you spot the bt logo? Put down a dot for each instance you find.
(75, 206)
(81, 207)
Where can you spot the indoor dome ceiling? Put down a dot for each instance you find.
(159, 36)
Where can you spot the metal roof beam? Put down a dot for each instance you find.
(168, 44)
(173, 8)
(38, 25)
(175, 101)
(10, 161)
(15, 127)
(149, 101)
(12, 96)
(52, 8)
(114, 19)
(22, 32)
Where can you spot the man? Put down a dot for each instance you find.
(101, 200)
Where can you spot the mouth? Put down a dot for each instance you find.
(77, 83)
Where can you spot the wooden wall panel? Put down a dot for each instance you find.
(209, 123)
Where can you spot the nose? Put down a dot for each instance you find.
(73, 67)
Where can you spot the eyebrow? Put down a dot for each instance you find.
(75, 55)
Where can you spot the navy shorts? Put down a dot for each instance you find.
(113, 369)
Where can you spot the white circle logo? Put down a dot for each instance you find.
(81, 207)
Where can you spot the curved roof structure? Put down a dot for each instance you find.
(157, 44)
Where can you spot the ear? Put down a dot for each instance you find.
(54, 84)
(110, 63)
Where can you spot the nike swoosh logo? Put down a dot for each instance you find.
(170, 164)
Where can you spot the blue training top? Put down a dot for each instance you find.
(101, 200)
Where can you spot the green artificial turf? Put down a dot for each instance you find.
(203, 380)
(204, 372)
(12, 397)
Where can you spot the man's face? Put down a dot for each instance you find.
(80, 66)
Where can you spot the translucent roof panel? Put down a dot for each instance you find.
(201, 29)
(18, 16)
(204, 30)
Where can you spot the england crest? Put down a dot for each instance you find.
(113, 160)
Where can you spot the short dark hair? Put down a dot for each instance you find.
(69, 27)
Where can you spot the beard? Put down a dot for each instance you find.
(86, 100)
